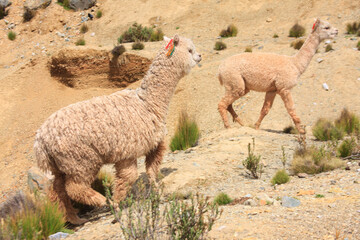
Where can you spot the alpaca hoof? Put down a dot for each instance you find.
(257, 127)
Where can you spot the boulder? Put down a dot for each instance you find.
(4, 3)
(36, 4)
(81, 4)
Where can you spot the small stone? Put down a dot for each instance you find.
(332, 182)
(58, 235)
(262, 202)
(327, 41)
(268, 20)
(261, 47)
(67, 39)
(290, 202)
(250, 202)
(189, 150)
(353, 39)
(325, 87)
(248, 195)
(92, 34)
(319, 60)
(358, 79)
(302, 175)
(332, 205)
(196, 164)
(347, 168)
(199, 65)
(221, 228)
(358, 170)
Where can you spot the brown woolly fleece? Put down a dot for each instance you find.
(270, 73)
(74, 142)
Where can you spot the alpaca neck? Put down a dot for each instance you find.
(158, 86)
(306, 52)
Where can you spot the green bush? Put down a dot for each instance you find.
(186, 134)
(315, 160)
(98, 14)
(220, 46)
(353, 28)
(37, 223)
(248, 49)
(275, 35)
(347, 147)
(84, 28)
(65, 4)
(11, 35)
(80, 42)
(325, 130)
(231, 31)
(297, 31)
(297, 44)
(319, 196)
(328, 48)
(348, 122)
(222, 199)
(280, 177)
(137, 46)
(136, 33)
(145, 216)
(157, 35)
(252, 162)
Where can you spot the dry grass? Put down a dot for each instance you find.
(297, 44)
(186, 135)
(348, 122)
(325, 130)
(219, 45)
(296, 31)
(231, 31)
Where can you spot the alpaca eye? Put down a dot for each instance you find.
(327, 27)
(190, 51)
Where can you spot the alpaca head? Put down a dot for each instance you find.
(184, 53)
(324, 29)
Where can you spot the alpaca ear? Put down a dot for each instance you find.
(176, 40)
(316, 24)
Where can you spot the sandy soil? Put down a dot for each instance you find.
(28, 94)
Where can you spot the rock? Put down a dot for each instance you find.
(4, 3)
(290, 202)
(7, 22)
(90, 16)
(353, 39)
(250, 202)
(58, 235)
(264, 197)
(37, 180)
(332, 182)
(268, 20)
(358, 79)
(84, 19)
(347, 168)
(302, 175)
(11, 26)
(81, 4)
(328, 41)
(36, 4)
(92, 34)
(248, 195)
(305, 192)
(319, 60)
(325, 87)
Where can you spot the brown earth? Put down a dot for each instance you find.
(29, 94)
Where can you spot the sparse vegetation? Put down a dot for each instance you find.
(186, 135)
(84, 28)
(231, 31)
(64, 3)
(157, 35)
(319, 196)
(252, 162)
(137, 46)
(104, 180)
(28, 14)
(353, 28)
(280, 177)
(325, 130)
(283, 157)
(297, 31)
(11, 35)
(275, 35)
(290, 130)
(347, 147)
(297, 44)
(219, 45)
(328, 48)
(138, 33)
(98, 14)
(222, 199)
(38, 222)
(143, 215)
(315, 160)
(248, 49)
(80, 42)
(348, 122)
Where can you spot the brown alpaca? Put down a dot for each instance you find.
(74, 142)
(270, 73)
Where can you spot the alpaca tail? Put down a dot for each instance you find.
(42, 156)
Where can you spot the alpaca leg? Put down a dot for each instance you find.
(269, 99)
(153, 161)
(58, 194)
(82, 192)
(289, 104)
(126, 175)
(234, 115)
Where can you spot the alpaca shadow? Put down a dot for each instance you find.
(274, 131)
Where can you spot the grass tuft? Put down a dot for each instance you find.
(137, 46)
(84, 28)
(98, 14)
(353, 28)
(28, 14)
(80, 42)
(248, 49)
(347, 147)
(280, 177)
(252, 162)
(275, 35)
(325, 130)
(219, 45)
(231, 31)
(328, 48)
(296, 31)
(11, 35)
(157, 35)
(222, 199)
(138, 33)
(186, 135)
(297, 44)
(319, 196)
(348, 122)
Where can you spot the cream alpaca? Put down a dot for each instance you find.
(74, 142)
(270, 73)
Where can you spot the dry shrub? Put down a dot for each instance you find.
(248, 49)
(80, 42)
(297, 31)
(280, 177)
(353, 28)
(325, 130)
(28, 14)
(231, 31)
(137, 46)
(157, 35)
(348, 122)
(219, 45)
(3, 12)
(222, 199)
(315, 160)
(297, 44)
(290, 130)
(358, 45)
(138, 33)
(252, 162)
(328, 48)
(347, 147)
(84, 28)
(186, 135)
(275, 35)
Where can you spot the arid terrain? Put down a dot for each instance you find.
(29, 94)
